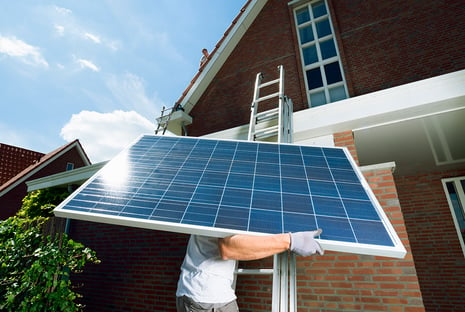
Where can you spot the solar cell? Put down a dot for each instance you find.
(220, 187)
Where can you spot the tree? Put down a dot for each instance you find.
(35, 266)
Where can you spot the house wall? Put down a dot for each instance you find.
(390, 43)
(11, 202)
(139, 268)
(438, 256)
(382, 45)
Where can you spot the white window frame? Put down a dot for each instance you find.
(461, 197)
(320, 63)
(69, 166)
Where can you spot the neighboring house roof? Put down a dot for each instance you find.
(14, 159)
(220, 54)
(44, 161)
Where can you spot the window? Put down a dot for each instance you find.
(454, 188)
(69, 166)
(324, 78)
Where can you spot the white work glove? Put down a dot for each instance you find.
(304, 243)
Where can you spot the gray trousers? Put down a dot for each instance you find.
(185, 304)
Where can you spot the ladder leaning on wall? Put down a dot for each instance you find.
(164, 119)
(275, 124)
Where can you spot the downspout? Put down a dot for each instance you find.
(184, 128)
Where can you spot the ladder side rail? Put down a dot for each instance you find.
(276, 289)
(254, 107)
(287, 120)
(290, 108)
(281, 100)
(284, 282)
(292, 283)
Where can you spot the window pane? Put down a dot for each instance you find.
(323, 28)
(319, 9)
(314, 78)
(328, 49)
(337, 94)
(302, 16)
(333, 73)
(457, 205)
(317, 99)
(306, 34)
(310, 55)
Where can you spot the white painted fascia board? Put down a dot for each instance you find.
(413, 100)
(64, 178)
(221, 55)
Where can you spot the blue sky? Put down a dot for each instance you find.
(99, 71)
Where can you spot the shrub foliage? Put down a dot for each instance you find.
(35, 263)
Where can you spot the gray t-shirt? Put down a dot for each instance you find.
(205, 277)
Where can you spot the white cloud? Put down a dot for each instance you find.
(67, 24)
(88, 64)
(114, 45)
(92, 37)
(26, 53)
(63, 11)
(129, 91)
(103, 135)
(60, 30)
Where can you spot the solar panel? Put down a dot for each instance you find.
(223, 187)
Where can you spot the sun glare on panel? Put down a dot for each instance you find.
(116, 173)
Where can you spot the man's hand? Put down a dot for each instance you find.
(304, 243)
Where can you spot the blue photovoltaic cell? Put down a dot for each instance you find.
(235, 185)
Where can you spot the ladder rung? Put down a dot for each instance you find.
(255, 271)
(269, 83)
(268, 115)
(266, 97)
(267, 132)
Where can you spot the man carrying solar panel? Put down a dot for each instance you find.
(207, 273)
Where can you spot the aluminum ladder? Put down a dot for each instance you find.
(164, 119)
(275, 123)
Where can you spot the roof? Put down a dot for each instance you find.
(41, 163)
(14, 159)
(220, 53)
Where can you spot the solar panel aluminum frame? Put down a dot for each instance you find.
(396, 251)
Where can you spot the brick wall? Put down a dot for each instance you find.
(436, 248)
(389, 43)
(139, 269)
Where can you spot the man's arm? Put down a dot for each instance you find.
(251, 247)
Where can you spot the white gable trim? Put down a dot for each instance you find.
(221, 54)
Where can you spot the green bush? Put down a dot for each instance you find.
(34, 267)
